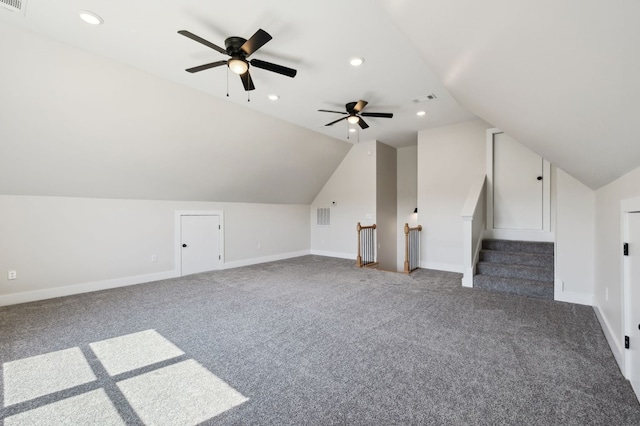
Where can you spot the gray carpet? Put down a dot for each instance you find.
(316, 341)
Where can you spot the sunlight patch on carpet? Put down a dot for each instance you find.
(29, 378)
(132, 351)
(180, 394)
(90, 408)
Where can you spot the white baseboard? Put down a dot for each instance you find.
(334, 254)
(50, 293)
(467, 278)
(265, 259)
(616, 347)
(571, 297)
(442, 266)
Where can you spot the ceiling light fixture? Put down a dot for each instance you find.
(90, 17)
(238, 66)
(274, 97)
(356, 62)
(353, 119)
(421, 113)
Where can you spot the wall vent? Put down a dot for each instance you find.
(425, 98)
(323, 216)
(13, 5)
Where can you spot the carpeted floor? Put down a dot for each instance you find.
(313, 341)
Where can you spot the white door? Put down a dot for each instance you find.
(633, 296)
(517, 185)
(200, 240)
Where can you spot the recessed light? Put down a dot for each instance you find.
(352, 130)
(421, 113)
(356, 62)
(90, 17)
(274, 97)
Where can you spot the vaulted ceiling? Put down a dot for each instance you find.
(109, 111)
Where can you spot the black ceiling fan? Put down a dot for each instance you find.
(240, 49)
(354, 114)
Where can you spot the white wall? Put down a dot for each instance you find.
(386, 206)
(575, 238)
(450, 159)
(353, 188)
(56, 243)
(608, 292)
(407, 196)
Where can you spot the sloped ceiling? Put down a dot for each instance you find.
(561, 76)
(78, 125)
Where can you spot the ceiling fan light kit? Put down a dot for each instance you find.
(239, 50)
(354, 114)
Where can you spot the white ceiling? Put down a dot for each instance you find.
(317, 39)
(558, 75)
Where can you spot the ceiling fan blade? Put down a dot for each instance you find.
(377, 114)
(259, 39)
(203, 41)
(362, 124)
(328, 110)
(289, 72)
(206, 66)
(334, 122)
(360, 105)
(247, 81)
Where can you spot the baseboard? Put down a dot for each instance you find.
(571, 297)
(442, 266)
(467, 278)
(636, 389)
(334, 254)
(50, 293)
(616, 347)
(264, 259)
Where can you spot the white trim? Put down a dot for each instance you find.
(50, 293)
(334, 254)
(572, 297)
(264, 259)
(627, 206)
(614, 344)
(448, 267)
(520, 235)
(178, 237)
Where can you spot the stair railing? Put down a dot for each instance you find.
(366, 246)
(411, 247)
(474, 218)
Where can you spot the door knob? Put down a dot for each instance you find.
(539, 178)
(184, 245)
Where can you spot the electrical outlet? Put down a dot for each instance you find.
(12, 275)
(154, 258)
(259, 246)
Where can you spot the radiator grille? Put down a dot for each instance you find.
(323, 216)
(14, 5)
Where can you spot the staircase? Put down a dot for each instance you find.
(518, 267)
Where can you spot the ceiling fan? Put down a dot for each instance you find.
(354, 114)
(239, 50)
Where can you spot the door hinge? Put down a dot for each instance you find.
(625, 249)
(626, 342)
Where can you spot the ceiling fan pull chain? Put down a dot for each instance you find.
(248, 96)
(227, 82)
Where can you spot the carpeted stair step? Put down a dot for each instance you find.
(533, 288)
(516, 258)
(515, 271)
(518, 246)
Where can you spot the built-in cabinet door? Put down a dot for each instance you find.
(517, 185)
(200, 240)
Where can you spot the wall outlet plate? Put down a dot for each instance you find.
(12, 275)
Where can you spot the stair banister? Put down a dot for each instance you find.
(474, 222)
